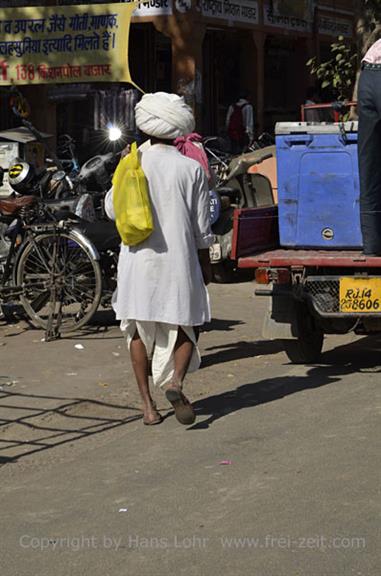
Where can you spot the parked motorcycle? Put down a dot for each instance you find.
(52, 183)
(239, 189)
(95, 178)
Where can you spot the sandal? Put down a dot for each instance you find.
(184, 412)
(157, 420)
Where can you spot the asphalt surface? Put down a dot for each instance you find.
(279, 476)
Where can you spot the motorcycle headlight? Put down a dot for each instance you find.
(114, 133)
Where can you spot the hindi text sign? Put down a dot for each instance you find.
(58, 44)
(232, 10)
(272, 17)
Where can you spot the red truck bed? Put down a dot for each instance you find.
(288, 257)
(255, 244)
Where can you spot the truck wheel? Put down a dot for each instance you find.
(307, 347)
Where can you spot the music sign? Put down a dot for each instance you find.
(58, 44)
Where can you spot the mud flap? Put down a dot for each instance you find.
(279, 322)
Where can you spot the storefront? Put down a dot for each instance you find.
(229, 59)
(226, 55)
(263, 46)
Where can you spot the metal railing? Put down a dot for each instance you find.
(329, 112)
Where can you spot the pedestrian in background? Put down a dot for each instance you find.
(240, 123)
(161, 297)
(369, 149)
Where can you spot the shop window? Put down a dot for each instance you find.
(150, 58)
(284, 70)
(224, 74)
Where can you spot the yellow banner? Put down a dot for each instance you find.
(56, 44)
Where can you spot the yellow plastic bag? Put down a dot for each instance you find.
(132, 206)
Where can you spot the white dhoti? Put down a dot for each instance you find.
(159, 340)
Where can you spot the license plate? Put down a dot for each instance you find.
(360, 295)
(215, 252)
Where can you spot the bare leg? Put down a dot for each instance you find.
(140, 365)
(182, 356)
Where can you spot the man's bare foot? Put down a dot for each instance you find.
(151, 416)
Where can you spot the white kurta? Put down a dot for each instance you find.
(160, 280)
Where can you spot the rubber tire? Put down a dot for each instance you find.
(7, 315)
(32, 315)
(224, 272)
(307, 347)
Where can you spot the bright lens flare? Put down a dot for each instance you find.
(114, 133)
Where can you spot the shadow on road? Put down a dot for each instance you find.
(240, 350)
(50, 421)
(360, 356)
(219, 324)
(100, 323)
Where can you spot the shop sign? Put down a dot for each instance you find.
(152, 7)
(59, 44)
(275, 18)
(231, 10)
(298, 8)
(333, 26)
(183, 6)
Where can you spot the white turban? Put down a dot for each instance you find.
(164, 115)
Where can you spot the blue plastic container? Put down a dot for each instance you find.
(318, 185)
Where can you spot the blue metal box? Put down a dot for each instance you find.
(318, 185)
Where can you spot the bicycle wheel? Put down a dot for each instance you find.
(63, 262)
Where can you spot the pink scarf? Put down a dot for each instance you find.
(187, 147)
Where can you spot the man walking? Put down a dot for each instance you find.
(161, 296)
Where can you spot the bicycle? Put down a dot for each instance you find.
(52, 269)
(218, 158)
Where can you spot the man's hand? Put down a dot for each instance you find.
(206, 267)
(126, 151)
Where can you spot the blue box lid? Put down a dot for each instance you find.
(283, 128)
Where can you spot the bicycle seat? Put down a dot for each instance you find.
(11, 206)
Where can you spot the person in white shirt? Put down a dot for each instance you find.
(240, 123)
(161, 296)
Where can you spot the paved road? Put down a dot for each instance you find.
(279, 476)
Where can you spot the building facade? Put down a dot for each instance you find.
(214, 48)
(208, 50)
